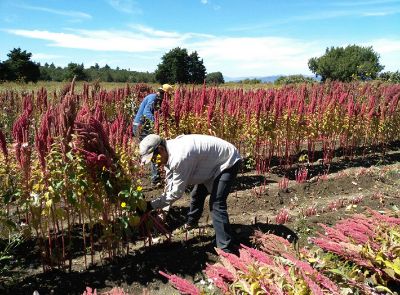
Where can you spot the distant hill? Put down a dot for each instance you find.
(263, 79)
(266, 79)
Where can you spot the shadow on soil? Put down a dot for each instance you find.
(361, 157)
(245, 182)
(141, 267)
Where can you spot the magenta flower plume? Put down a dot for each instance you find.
(220, 271)
(235, 261)
(259, 255)
(314, 288)
(217, 278)
(181, 285)
(384, 218)
(318, 277)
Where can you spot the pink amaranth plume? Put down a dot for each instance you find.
(232, 259)
(384, 218)
(220, 271)
(181, 285)
(317, 276)
(314, 288)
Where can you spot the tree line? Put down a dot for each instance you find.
(179, 66)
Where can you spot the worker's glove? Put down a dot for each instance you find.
(141, 210)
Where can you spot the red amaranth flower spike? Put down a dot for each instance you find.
(217, 279)
(318, 277)
(384, 218)
(259, 255)
(181, 285)
(221, 271)
(314, 288)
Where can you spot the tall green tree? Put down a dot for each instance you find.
(215, 78)
(196, 69)
(3, 72)
(45, 73)
(19, 66)
(73, 70)
(174, 67)
(346, 64)
(177, 66)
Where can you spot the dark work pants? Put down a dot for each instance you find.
(218, 206)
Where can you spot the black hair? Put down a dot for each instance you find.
(163, 143)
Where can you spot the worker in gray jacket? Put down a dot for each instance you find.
(209, 163)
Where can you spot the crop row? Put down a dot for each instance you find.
(68, 166)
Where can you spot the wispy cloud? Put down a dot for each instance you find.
(10, 18)
(328, 13)
(71, 13)
(389, 51)
(207, 2)
(378, 13)
(155, 33)
(362, 3)
(269, 54)
(46, 56)
(385, 45)
(126, 6)
(99, 40)
(321, 15)
(233, 56)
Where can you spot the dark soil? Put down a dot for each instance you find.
(368, 181)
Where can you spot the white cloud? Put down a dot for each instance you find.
(389, 51)
(101, 40)
(126, 6)
(75, 14)
(385, 45)
(256, 56)
(45, 56)
(204, 1)
(233, 56)
(155, 33)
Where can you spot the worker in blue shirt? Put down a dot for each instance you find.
(143, 122)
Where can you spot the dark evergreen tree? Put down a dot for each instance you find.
(178, 67)
(19, 66)
(174, 67)
(196, 68)
(3, 72)
(75, 70)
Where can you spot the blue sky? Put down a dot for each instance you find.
(236, 37)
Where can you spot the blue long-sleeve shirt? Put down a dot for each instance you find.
(146, 109)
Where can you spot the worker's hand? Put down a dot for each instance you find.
(144, 208)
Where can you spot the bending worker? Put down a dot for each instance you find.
(209, 163)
